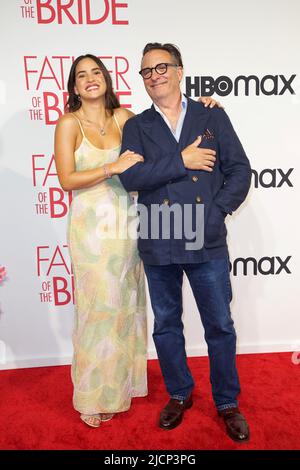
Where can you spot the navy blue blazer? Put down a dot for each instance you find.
(163, 179)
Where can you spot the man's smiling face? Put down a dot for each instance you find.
(160, 87)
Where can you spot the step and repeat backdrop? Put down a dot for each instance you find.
(246, 54)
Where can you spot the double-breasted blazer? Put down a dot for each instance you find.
(162, 180)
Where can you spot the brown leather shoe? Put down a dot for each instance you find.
(172, 414)
(236, 424)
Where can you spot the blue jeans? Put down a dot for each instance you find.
(210, 283)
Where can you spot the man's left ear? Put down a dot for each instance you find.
(180, 72)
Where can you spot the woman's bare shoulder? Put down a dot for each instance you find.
(123, 114)
(67, 120)
(67, 124)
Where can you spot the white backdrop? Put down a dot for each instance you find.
(258, 40)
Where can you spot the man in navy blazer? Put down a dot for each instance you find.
(195, 172)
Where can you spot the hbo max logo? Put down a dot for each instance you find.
(266, 266)
(272, 178)
(241, 85)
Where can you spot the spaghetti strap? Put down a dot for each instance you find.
(79, 123)
(117, 124)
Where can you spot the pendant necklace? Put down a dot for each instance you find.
(101, 128)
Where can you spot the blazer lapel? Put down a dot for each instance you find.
(194, 123)
(157, 130)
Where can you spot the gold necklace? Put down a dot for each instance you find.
(101, 128)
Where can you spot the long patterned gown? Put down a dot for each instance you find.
(109, 338)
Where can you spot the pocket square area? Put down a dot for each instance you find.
(207, 134)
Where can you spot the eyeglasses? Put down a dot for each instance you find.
(159, 68)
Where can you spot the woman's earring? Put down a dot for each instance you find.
(78, 97)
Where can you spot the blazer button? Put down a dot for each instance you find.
(166, 201)
(195, 178)
(198, 199)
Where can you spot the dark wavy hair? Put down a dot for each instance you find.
(171, 48)
(74, 103)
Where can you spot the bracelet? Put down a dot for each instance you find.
(107, 173)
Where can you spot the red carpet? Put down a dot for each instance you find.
(36, 411)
